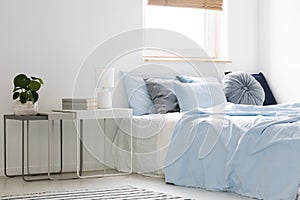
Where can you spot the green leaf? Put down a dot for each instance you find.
(16, 88)
(35, 96)
(16, 95)
(34, 86)
(23, 97)
(40, 80)
(21, 81)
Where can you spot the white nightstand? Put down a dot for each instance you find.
(81, 115)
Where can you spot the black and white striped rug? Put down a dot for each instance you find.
(125, 193)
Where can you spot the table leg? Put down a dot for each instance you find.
(81, 147)
(61, 146)
(80, 153)
(27, 131)
(5, 150)
(23, 148)
(78, 146)
(23, 175)
(27, 154)
(50, 149)
(4, 145)
(50, 141)
(104, 150)
(131, 146)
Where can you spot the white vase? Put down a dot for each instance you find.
(25, 109)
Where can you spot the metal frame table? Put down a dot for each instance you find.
(50, 117)
(81, 115)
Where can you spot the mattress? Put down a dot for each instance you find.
(151, 136)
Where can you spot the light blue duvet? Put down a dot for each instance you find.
(250, 150)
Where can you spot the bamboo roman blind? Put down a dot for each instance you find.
(205, 4)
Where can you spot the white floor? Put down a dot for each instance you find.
(18, 186)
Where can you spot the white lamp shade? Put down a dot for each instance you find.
(104, 77)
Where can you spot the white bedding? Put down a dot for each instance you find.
(151, 137)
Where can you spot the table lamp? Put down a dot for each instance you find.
(104, 82)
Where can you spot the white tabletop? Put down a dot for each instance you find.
(100, 113)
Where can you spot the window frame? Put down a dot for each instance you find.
(212, 25)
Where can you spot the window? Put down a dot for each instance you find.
(198, 25)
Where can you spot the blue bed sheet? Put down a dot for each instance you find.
(250, 150)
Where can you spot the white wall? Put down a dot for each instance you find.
(243, 35)
(52, 38)
(279, 30)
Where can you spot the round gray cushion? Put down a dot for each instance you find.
(242, 88)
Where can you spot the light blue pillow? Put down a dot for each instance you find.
(138, 96)
(185, 79)
(192, 79)
(204, 95)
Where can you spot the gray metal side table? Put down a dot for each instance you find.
(50, 117)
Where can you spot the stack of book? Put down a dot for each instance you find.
(79, 104)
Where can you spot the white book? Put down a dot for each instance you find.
(79, 107)
(80, 104)
(79, 100)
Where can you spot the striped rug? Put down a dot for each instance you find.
(125, 193)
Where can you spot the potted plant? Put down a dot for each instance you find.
(25, 94)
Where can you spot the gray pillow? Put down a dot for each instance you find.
(162, 94)
(242, 88)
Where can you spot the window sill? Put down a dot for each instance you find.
(173, 59)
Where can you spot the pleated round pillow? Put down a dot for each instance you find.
(242, 88)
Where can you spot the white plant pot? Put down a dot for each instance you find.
(25, 109)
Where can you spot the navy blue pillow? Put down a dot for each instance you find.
(269, 99)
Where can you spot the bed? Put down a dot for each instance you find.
(250, 150)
